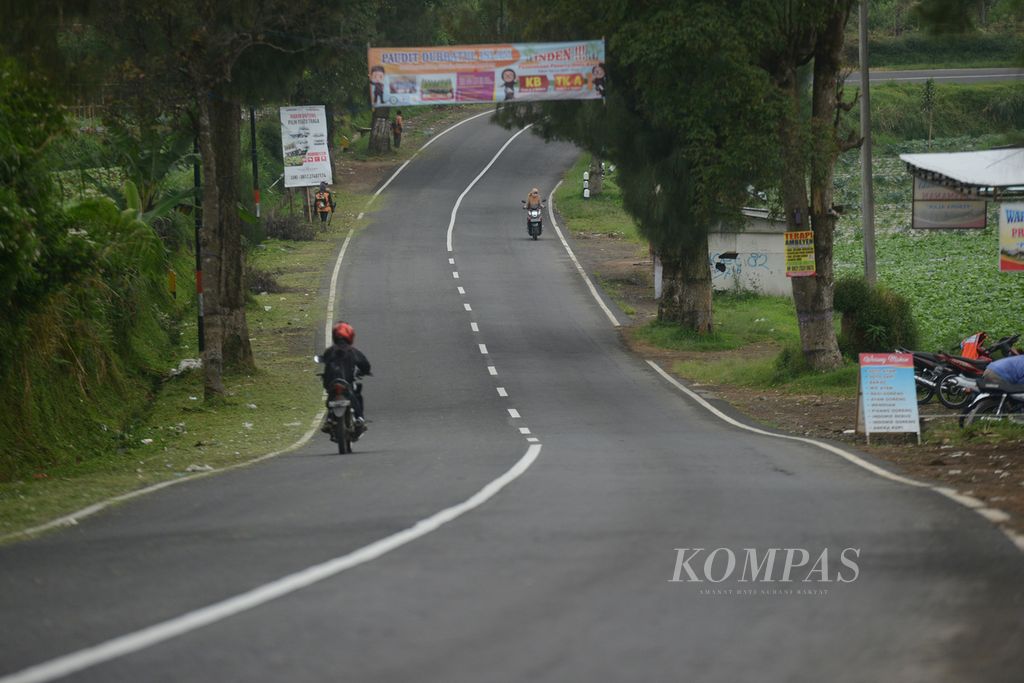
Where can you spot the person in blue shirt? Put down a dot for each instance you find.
(1009, 369)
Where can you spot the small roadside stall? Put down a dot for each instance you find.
(951, 191)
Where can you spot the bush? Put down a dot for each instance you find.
(874, 318)
(289, 227)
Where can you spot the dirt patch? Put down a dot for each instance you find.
(991, 472)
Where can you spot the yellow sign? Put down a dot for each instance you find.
(800, 253)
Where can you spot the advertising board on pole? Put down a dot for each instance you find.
(304, 145)
(887, 400)
(409, 76)
(939, 207)
(1011, 237)
(800, 253)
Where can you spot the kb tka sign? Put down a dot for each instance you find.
(769, 565)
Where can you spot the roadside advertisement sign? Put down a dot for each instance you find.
(800, 253)
(937, 207)
(1011, 237)
(410, 76)
(304, 145)
(888, 399)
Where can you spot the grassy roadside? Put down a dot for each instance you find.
(262, 412)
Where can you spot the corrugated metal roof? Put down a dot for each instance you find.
(995, 168)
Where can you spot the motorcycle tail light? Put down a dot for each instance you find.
(339, 389)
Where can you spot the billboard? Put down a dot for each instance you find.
(409, 76)
(1011, 237)
(940, 207)
(304, 145)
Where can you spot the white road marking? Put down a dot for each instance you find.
(524, 430)
(491, 369)
(455, 274)
(579, 268)
(360, 216)
(970, 502)
(502, 392)
(467, 307)
(462, 291)
(474, 327)
(204, 616)
(512, 413)
(458, 202)
(451, 261)
(532, 439)
(483, 349)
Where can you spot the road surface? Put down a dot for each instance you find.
(518, 379)
(962, 76)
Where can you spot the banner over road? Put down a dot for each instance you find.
(408, 76)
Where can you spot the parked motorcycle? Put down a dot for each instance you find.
(928, 370)
(959, 383)
(534, 219)
(995, 401)
(341, 417)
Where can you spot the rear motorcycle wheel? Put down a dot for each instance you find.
(982, 411)
(343, 434)
(924, 391)
(951, 394)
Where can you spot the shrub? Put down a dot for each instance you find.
(874, 318)
(289, 227)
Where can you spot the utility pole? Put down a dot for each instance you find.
(199, 248)
(867, 196)
(255, 164)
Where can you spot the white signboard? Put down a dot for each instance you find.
(938, 206)
(1011, 237)
(888, 399)
(304, 144)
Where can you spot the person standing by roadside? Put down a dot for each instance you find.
(396, 128)
(323, 200)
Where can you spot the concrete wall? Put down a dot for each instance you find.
(760, 263)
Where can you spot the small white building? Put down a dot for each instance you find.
(751, 257)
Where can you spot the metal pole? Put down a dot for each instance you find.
(867, 197)
(197, 182)
(255, 161)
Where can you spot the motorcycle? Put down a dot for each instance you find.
(534, 219)
(959, 381)
(995, 401)
(341, 418)
(928, 370)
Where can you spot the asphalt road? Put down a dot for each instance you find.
(563, 575)
(984, 75)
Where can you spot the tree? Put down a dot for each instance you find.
(684, 109)
(798, 34)
(213, 55)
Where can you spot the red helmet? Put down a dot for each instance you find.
(342, 331)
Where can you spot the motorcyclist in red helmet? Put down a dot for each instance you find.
(342, 359)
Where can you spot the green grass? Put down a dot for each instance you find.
(920, 50)
(740, 319)
(261, 412)
(601, 214)
(421, 124)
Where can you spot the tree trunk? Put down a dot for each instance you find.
(813, 295)
(227, 333)
(596, 176)
(236, 349)
(686, 288)
(380, 133)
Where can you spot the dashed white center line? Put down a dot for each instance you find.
(467, 307)
(483, 349)
(524, 430)
(451, 261)
(360, 216)
(513, 413)
(502, 392)
(474, 327)
(491, 369)
(532, 439)
(455, 274)
(462, 290)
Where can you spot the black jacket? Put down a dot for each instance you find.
(343, 360)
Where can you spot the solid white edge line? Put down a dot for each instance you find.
(993, 515)
(74, 517)
(152, 635)
(458, 202)
(579, 268)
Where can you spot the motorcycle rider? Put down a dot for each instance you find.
(533, 199)
(344, 360)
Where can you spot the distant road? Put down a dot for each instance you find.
(944, 75)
